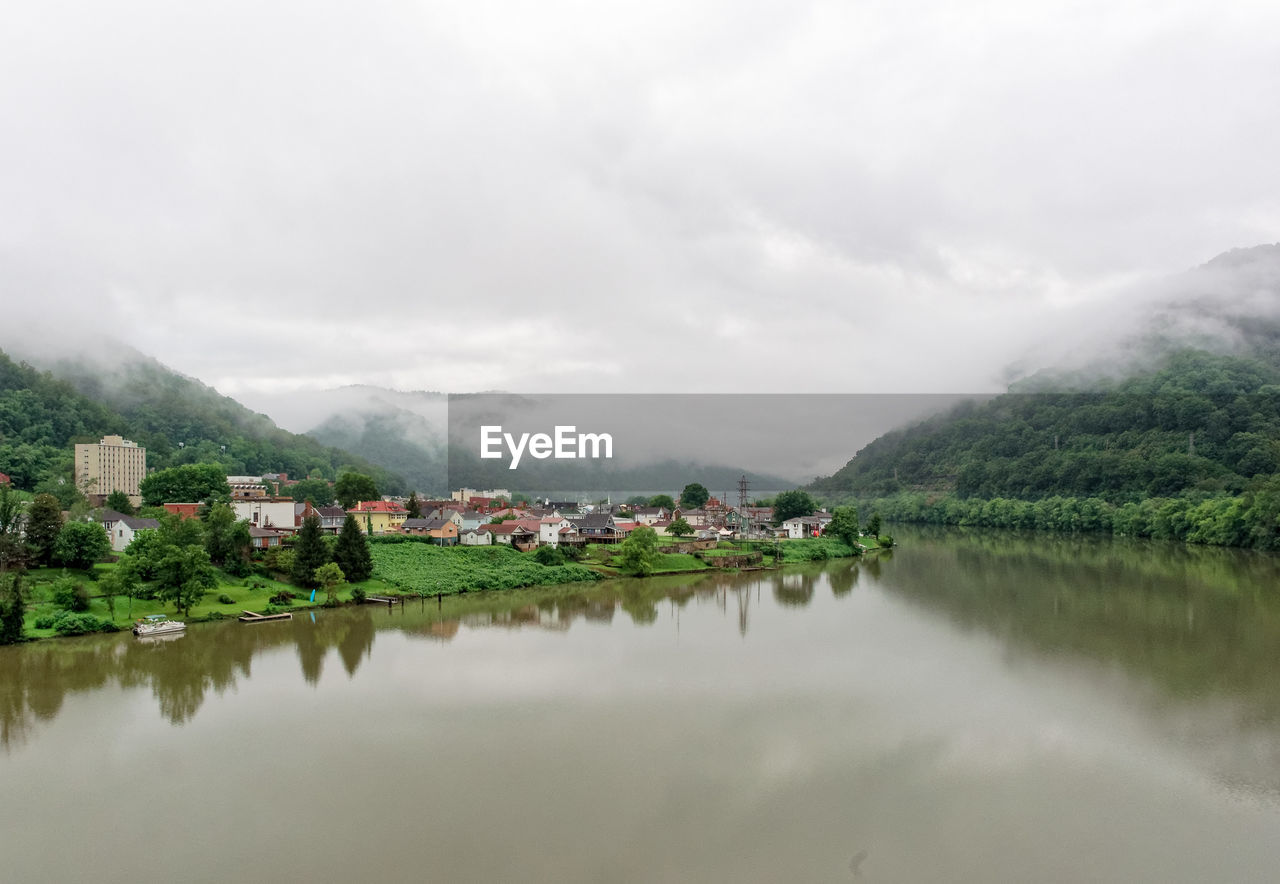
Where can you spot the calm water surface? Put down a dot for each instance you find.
(970, 708)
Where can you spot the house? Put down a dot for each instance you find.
(512, 534)
(648, 515)
(266, 512)
(331, 517)
(696, 518)
(265, 538)
(122, 529)
(475, 537)
(443, 531)
(806, 526)
(597, 528)
(246, 487)
(183, 510)
(549, 530)
(379, 516)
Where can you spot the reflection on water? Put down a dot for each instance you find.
(180, 673)
(969, 707)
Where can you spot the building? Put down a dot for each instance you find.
(379, 516)
(183, 510)
(122, 529)
(113, 464)
(443, 532)
(266, 512)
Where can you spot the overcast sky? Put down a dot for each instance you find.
(656, 196)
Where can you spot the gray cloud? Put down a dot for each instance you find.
(647, 197)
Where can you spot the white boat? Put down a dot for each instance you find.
(157, 624)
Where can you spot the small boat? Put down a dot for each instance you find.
(157, 624)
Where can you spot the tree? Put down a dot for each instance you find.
(227, 539)
(12, 609)
(873, 525)
(351, 488)
(184, 484)
(638, 554)
(329, 576)
(184, 576)
(318, 491)
(352, 552)
(414, 510)
(13, 552)
(662, 500)
(44, 523)
(789, 504)
(694, 496)
(309, 552)
(637, 500)
(119, 501)
(680, 528)
(80, 544)
(844, 524)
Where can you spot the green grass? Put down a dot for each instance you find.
(240, 590)
(429, 570)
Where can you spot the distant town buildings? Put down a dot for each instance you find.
(113, 464)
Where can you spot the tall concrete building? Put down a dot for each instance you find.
(114, 464)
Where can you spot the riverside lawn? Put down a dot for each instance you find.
(408, 566)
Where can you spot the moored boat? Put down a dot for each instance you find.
(157, 624)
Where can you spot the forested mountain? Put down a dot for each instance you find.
(177, 419)
(1199, 422)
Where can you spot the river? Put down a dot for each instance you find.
(969, 707)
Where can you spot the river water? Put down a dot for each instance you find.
(970, 707)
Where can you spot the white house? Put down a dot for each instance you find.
(124, 528)
(266, 512)
(549, 530)
(475, 537)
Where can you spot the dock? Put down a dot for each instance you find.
(250, 617)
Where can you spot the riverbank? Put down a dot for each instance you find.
(400, 569)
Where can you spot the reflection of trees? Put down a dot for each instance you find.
(793, 590)
(843, 580)
(35, 678)
(1197, 621)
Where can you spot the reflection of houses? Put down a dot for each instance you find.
(122, 529)
(444, 532)
(379, 516)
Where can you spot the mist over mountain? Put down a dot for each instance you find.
(1178, 394)
(178, 419)
(1229, 305)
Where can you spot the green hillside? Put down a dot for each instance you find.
(177, 419)
(1199, 423)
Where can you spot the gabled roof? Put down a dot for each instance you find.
(425, 524)
(378, 506)
(255, 531)
(106, 515)
(140, 524)
(594, 520)
(508, 527)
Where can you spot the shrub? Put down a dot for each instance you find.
(69, 595)
(69, 623)
(358, 595)
(283, 597)
(548, 555)
(45, 621)
(225, 599)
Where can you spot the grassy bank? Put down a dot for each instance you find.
(244, 594)
(423, 569)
